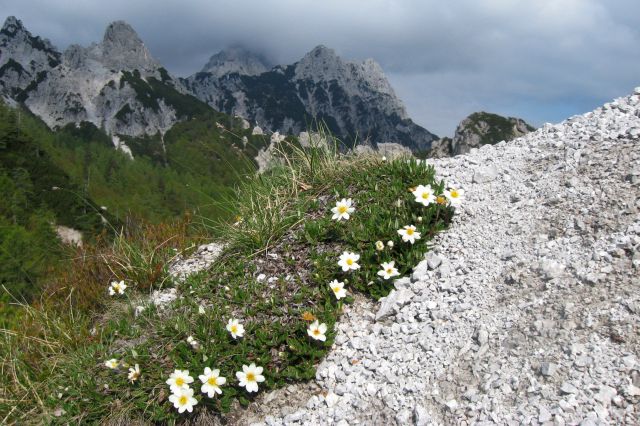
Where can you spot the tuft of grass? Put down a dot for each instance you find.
(139, 254)
(281, 252)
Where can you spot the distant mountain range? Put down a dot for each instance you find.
(355, 100)
(119, 87)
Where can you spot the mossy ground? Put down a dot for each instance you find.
(283, 230)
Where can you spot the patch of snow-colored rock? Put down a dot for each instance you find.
(69, 236)
(527, 310)
(202, 259)
(184, 266)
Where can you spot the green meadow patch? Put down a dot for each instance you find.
(282, 251)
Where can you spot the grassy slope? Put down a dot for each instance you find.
(156, 186)
(65, 176)
(284, 213)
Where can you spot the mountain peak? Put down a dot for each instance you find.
(25, 54)
(122, 49)
(321, 53)
(236, 59)
(321, 63)
(120, 30)
(12, 25)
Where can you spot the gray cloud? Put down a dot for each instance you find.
(542, 60)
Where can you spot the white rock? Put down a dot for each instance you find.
(485, 174)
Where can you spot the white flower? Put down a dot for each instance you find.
(390, 244)
(134, 373)
(211, 382)
(235, 328)
(384, 158)
(201, 310)
(193, 342)
(388, 270)
(348, 261)
(338, 289)
(379, 245)
(424, 194)
(419, 219)
(455, 196)
(342, 210)
(112, 363)
(117, 288)
(409, 234)
(183, 400)
(317, 331)
(250, 376)
(179, 379)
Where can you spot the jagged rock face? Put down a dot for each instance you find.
(354, 100)
(122, 49)
(479, 128)
(236, 60)
(23, 57)
(116, 84)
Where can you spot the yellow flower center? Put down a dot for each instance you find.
(342, 209)
(179, 381)
(316, 332)
(454, 194)
(234, 328)
(213, 381)
(336, 289)
(183, 400)
(349, 261)
(409, 231)
(389, 271)
(425, 195)
(441, 200)
(251, 377)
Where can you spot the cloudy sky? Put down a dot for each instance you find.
(541, 60)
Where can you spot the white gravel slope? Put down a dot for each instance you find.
(530, 311)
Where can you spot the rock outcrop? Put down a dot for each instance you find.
(479, 128)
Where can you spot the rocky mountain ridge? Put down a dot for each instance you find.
(115, 84)
(354, 100)
(480, 128)
(118, 86)
(23, 57)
